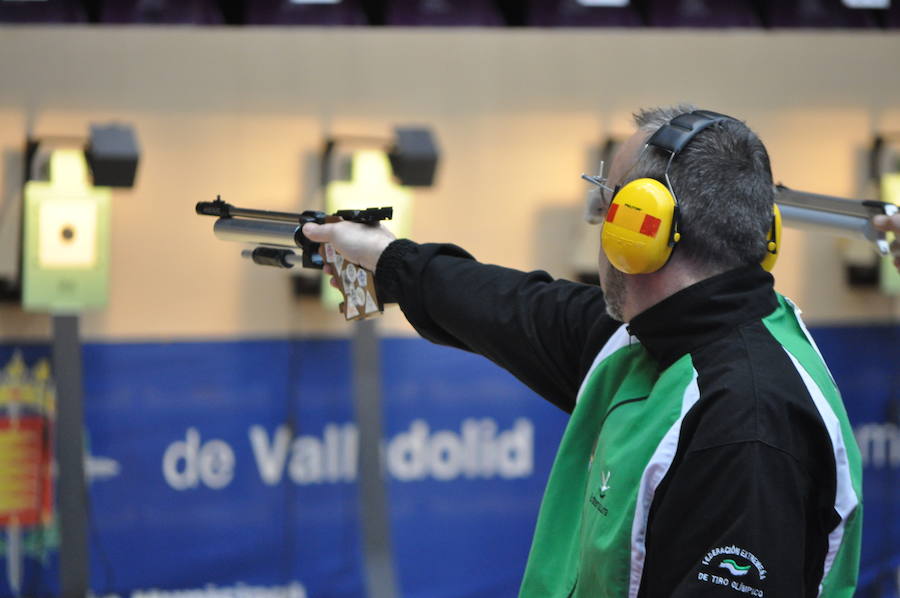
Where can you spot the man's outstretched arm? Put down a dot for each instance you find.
(545, 332)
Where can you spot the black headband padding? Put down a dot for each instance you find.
(674, 135)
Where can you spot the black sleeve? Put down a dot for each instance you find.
(738, 519)
(545, 332)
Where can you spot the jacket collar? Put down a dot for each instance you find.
(704, 312)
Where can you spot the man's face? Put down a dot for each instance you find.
(612, 281)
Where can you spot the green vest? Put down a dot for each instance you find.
(617, 447)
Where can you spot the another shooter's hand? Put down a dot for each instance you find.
(890, 224)
(359, 243)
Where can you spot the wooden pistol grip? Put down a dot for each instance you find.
(356, 284)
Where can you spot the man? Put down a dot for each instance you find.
(708, 452)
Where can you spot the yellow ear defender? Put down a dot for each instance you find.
(640, 230)
(772, 240)
(641, 226)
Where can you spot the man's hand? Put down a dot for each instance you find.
(359, 243)
(890, 224)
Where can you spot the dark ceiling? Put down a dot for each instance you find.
(715, 14)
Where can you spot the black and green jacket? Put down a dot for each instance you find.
(708, 452)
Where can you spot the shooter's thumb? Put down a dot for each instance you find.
(320, 233)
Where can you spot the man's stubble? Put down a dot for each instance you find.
(614, 292)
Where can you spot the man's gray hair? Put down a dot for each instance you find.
(723, 182)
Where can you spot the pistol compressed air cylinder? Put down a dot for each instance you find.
(258, 232)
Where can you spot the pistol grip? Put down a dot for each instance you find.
(356, 284)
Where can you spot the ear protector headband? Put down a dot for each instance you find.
(773, 240)
(641, 226)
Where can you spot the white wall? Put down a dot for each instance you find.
(242, 112)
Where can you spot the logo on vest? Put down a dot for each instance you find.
(604, 483)
(734, 568)
(730, 566)
(601, 493)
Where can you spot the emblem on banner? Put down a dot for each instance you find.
(27, 408)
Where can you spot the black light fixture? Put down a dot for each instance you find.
(413, 154)
(112, 154)
(111, 151)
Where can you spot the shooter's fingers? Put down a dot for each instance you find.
(358, 243)
(328, 269)
(890, 224)
(887, 223)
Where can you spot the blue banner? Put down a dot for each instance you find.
(230, 468)
(865, 362)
